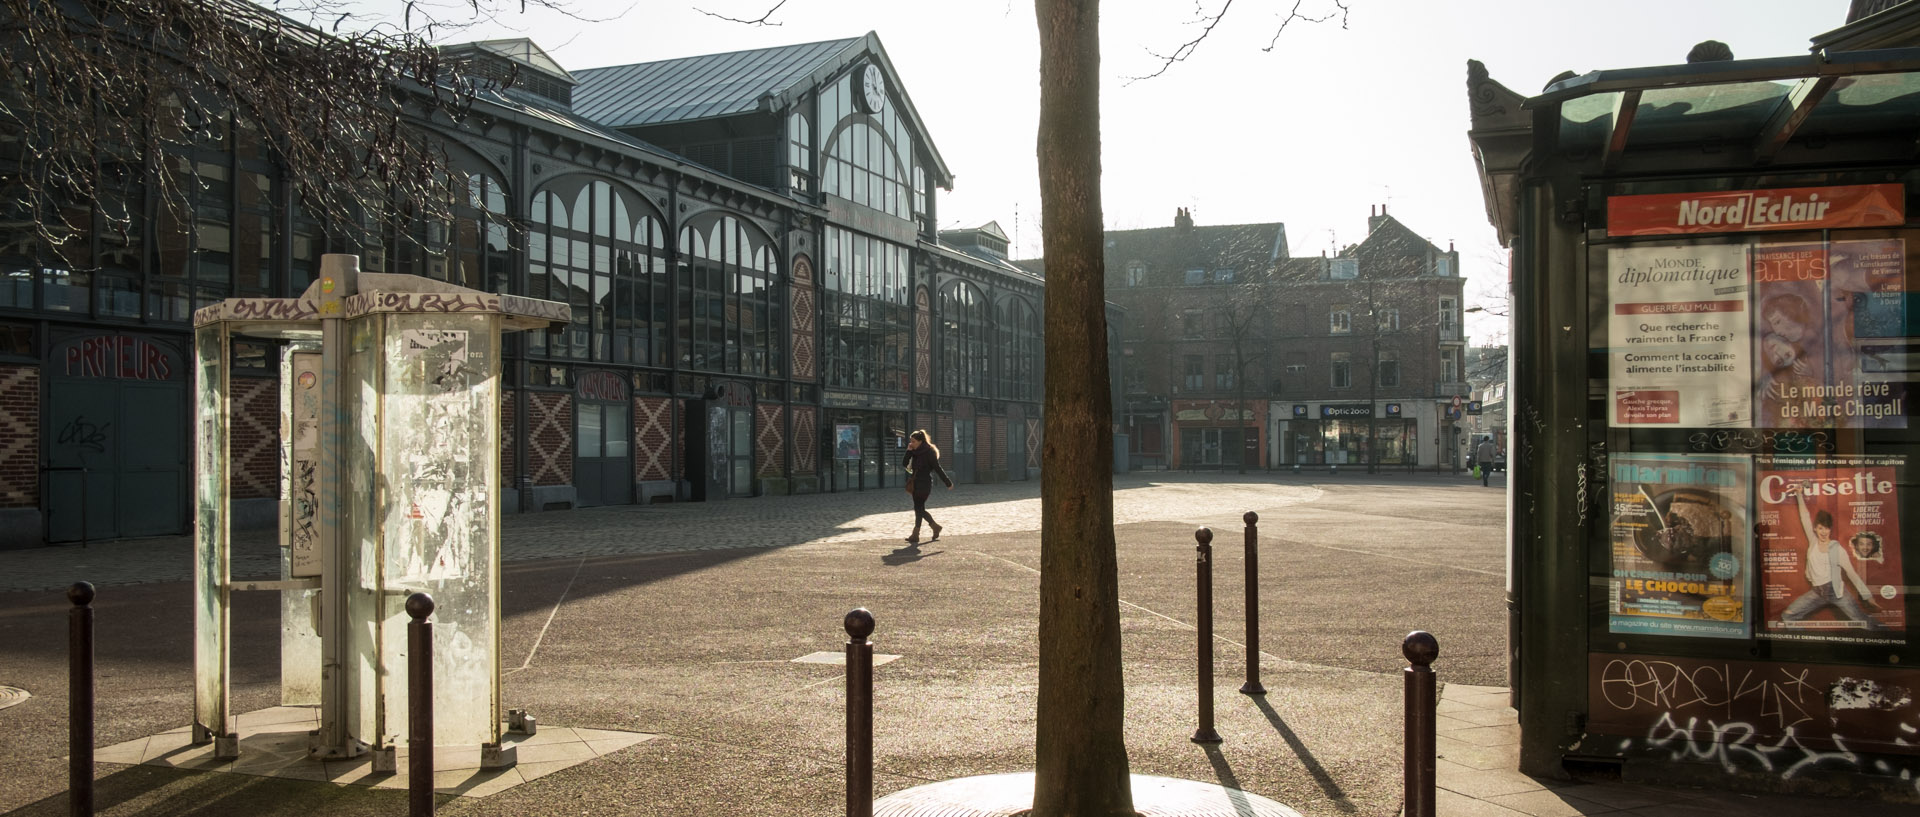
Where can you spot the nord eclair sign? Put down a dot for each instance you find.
(1743, 211)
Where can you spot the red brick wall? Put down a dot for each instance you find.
(1033, 442)
(550, 437)
(769, 440)
(996, 444)
(507, 439)
(806, 440)
(253, 437)
(652, 435)
(19, 436)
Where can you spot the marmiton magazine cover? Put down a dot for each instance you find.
(1681, 545)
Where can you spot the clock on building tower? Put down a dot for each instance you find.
(873, 89)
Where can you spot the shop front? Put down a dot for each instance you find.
(1346, 434)
(1714, 359)
(866, 437)
(1213, 434)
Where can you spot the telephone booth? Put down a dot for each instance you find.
(390, 485)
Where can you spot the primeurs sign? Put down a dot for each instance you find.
(1798, 208)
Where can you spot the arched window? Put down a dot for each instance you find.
(865, 311)
(1019, 336)
(868, 158)
(469, 251)
(800, 152)
(963, 340)
(601, 249)
(731, 307)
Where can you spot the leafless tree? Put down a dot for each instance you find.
(102, 100)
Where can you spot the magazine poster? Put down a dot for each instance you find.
(1830, 335)
(1677, 336)
(1681, 545)
(846, 441)
(1829, 543)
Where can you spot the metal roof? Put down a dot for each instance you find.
(1776, 113)
(522, 50)
(703, 87)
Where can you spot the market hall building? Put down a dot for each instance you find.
(748, 242)
(1714, 443)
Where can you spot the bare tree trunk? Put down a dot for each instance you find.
(1081, 768)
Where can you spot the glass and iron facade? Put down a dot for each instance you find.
(775, 296)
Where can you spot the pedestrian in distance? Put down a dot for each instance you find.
(1484, 457)
(922, 462)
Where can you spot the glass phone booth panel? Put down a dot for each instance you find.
(211, 562)
(435, 519)
(299, 510)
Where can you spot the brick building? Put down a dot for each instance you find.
(1237, 354)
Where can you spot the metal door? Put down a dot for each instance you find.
(740, 451)
(960, 460)
(603, 453)
(116, 459)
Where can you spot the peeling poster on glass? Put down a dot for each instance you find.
(443, 350)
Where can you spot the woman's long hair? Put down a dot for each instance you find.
(921, 435)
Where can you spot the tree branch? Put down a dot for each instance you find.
(763, 20)
(1210, 21)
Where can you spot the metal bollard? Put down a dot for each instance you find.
(1204, 574)
(1421, 649)
(859, 624)
(80, 700)
(420, 706)
(1252, 686)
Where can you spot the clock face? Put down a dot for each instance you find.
(873, 88)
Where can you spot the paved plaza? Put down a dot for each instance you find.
(685, 642)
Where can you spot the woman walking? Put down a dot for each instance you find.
(922, 462)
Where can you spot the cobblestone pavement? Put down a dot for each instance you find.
(876, 515)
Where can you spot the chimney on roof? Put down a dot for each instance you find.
(1182, 220)
(1710, 51)
(1374, 219)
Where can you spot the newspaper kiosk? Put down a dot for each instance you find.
(1708, 577)
(390, 485)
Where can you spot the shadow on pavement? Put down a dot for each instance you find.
(1313, 767)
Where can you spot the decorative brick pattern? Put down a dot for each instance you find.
(19, 436)
(803, 319)
(652, 436)
(1033, 443)
(253, 437)
(550, 438)
(506, 439)
(679, 466)
(770, 440)
(806, 440)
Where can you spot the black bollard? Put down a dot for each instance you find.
(420, 706)
(1204, 572)
(80, 700)
(859, 624)
(1252, 686)
(1421, 649)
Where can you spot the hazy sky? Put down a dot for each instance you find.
(1328, 123)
